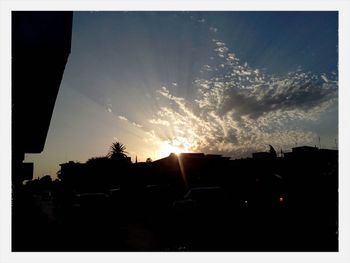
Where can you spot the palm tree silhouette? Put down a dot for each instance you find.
(117, 151)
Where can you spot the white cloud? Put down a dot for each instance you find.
(109, 107)
(213, 29)
(137, 125)
(324, 78)
(122, 118)
(207, 68)
(220, 44)
(160, 122)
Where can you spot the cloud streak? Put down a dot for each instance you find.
(122, 118)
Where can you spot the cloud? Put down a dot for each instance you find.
(207, 68)
(159, 122)
(296, 93)
(239, 109)
(109, 107)
(137, 125)
(122, 118)
(323, 76)
(213, 29)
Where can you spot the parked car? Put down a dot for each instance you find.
(198, 198)
(200, 217)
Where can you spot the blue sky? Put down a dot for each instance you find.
(213, 82)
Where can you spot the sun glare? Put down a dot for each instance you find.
(167, 148)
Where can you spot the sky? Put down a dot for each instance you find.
(215, 82)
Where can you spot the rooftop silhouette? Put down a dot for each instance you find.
(186, 202)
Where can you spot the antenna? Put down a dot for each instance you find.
(319, 142)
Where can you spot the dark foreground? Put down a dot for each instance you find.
(290, 207)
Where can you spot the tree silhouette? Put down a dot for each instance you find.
(97, 160)
(117, 151)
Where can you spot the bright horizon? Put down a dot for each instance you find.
(214, 82)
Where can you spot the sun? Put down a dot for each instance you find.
(166, 148)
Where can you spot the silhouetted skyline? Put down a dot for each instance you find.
(185, 202)
(213, 82)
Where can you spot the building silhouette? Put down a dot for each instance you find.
(41, 43)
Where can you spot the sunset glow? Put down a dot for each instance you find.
(166, 148)
(220, 88)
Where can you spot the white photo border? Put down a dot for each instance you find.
(342, 6)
